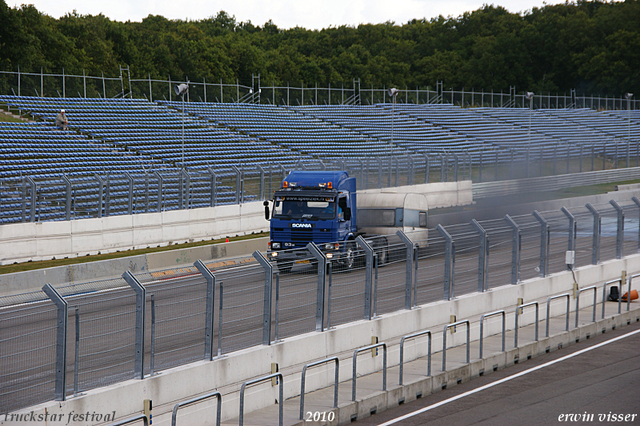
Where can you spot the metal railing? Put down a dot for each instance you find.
(280, 379)
(503, 315)
(217, 395)
(355, 366)
(335, 381)
(515, 329)
(413, 336)
(444, 341)
(559, 296)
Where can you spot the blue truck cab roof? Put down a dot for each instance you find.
(336, 180)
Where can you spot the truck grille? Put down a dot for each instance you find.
(301, 236)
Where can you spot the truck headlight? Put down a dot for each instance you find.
(274, 254)
(275, 245)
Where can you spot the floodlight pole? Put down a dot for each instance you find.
(393, 92)
(181, 90)
(629, 96)
(183, 168)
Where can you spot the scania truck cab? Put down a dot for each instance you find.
(323, 207)
(316, 206)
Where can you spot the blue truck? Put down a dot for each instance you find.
(324, 207)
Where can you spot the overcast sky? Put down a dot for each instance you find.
(285, 14)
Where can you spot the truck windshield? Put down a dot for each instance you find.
(301, 208)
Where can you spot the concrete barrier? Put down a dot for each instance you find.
(226, 373)
(23, 242)
(23, 282)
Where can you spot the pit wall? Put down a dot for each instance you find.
(22, 242)
(226, 374)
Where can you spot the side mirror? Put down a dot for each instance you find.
(266, 209)
(347, 214)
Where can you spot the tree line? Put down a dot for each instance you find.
(590, 46)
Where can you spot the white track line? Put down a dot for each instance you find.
(506, 379)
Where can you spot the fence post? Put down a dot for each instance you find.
(322, 279)
(456, 165)
(67, 209)
(411, 249)
(411, 170)
(100, 194)
(152, 350)
(160, 179)
(76, 358)
(637, 201)
(268, 285)
(449, 263)
(61, 341)
(619, 230)
(34, 199)
(185, 189)
(238, 178)
(426, 168)
(261, 190)
(483, 257)
(544, 244)
(597, 231)
(141, 304)
(573, 230)
(130, 197)
(212, 196)
(368, 283)
(515, 252)
(210, 316)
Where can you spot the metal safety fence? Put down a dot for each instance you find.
(64, 341)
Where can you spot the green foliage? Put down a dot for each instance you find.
(593, 46)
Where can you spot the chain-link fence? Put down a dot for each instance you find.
(108, 331)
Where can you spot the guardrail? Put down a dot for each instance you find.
(217, 395)
(559, 296)
(413, 336)
(355, 366)
(335, 384)
(444, 341)
(504, 325)
(280, 395)
(521, 308)
(595, 295)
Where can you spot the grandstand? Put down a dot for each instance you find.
(124, 156)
